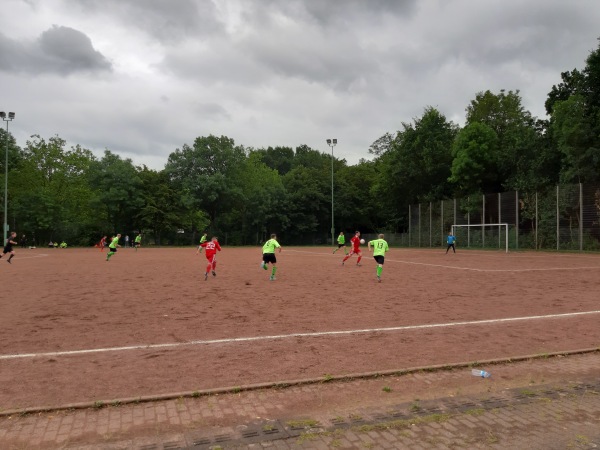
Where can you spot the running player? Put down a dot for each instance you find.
(379, 248)
(202, 241)
(8, 246)
(138, 241)
(355, 250)
(269, 255)
(102, 243)
(341, 240)
(112, 247)
(212, 247)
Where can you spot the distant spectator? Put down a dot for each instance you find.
(23, 242)
(50, 244)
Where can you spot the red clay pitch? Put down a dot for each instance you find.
(73, 300)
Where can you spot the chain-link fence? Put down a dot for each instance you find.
(565, 217)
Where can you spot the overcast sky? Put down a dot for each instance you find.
(143, 77)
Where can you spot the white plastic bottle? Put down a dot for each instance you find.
(481, 373)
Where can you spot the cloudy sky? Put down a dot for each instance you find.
(143, 77)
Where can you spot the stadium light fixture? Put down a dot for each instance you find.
(332, 143)
(11, 116)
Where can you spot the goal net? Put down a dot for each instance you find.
(482, 235)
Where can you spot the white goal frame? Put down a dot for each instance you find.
(483, 226)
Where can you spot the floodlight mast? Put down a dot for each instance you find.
(11, 116)
(332, 143)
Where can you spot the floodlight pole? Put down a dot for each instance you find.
(11, 116)
(332, 143)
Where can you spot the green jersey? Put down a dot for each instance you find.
(114, 243)
(379, 247)
(270, 246)
(138, 238)
(341, 239)
(203, 239)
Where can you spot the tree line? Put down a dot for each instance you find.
(242, 194)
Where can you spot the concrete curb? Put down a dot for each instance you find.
(283, 384)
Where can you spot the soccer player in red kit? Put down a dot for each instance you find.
(102, 243)
(355, 250)
(211, 247)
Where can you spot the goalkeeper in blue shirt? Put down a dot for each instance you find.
(451, 239)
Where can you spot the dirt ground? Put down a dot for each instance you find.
(146, 323)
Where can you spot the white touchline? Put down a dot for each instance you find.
(492, 270)
(293, 335)
(41, 255)
(443, 266)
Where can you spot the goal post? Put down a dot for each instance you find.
(483, 227)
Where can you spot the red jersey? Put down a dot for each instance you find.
(355, 244)
(211, 248)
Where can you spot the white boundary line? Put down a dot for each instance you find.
(293, 335)
(40, 255)
(493, 270)
(443, 266)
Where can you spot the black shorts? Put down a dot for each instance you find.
(110, 249)
(7, 249)
(379, 259)
(341, 245)
(269, 258)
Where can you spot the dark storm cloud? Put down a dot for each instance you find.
(59, 50)
(165, 21)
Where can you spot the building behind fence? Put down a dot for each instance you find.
(566, 217)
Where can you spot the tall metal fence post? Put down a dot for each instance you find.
(536, 221)
(454, 222)
(442, 222)
(430, 222)
(419, 225)
(557, 221)
(483, 224)
(516, 220)
(409, 226)
(469, 222)
(580, 217)
(499, 220)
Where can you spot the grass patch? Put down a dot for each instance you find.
(403, 423)
(306, 423)
(387, 389)
(475, 412)
(527, 392)
(99, 405)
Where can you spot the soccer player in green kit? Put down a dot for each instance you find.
(380, 246)
(112, 247)
(202, 241)
(269, 255)
(138, 241)
(341, 240)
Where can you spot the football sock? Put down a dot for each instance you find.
(273, 271)
(379, 270)
(359, 258)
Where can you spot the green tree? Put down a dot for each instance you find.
(417, 165)
(206, 174)
(52, 190)
(517, 139)
(118, 195)
(575, 121)
(475, 156)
